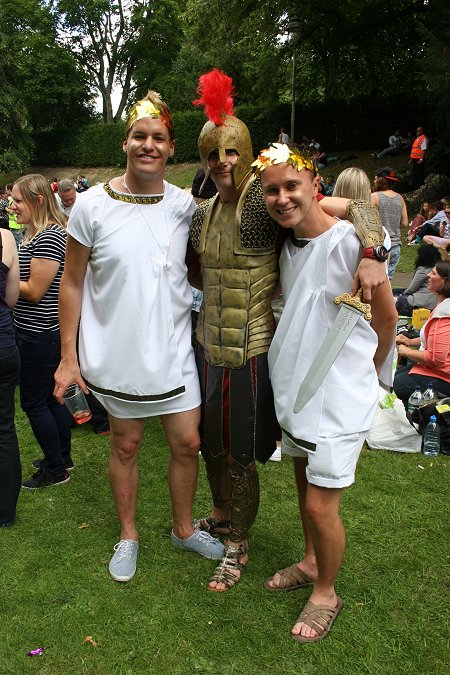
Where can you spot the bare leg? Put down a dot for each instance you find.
(123, 471)
(328, 535)
(308, 564)
(181, 430)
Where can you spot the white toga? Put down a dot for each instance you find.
(135, 330)
(310, 278)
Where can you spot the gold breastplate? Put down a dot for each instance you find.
(236, 243)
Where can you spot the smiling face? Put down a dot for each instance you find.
(290, 196)
(23, 212)
(435, 281)
(148, 147)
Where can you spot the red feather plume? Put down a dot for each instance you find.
(216, 91)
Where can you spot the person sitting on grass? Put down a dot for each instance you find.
(417, 223)
(317, 263)
(436, 214)
(431, 362)
(418, 294)
(442, 242)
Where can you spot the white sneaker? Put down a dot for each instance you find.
(122, 566)
(276, 457)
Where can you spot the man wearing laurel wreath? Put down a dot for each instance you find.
(325, 436)
(126, 276)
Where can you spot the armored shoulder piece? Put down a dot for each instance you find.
(258, 229)
(197, 222)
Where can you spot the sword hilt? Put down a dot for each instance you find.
(356, 302)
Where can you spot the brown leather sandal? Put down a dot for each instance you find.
(212, 525)
(225, 573)
(318, 617)
(291, 578)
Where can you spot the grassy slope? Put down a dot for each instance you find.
(182, 174)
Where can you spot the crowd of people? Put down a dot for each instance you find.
(79, 297)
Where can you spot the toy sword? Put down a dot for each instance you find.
(349, 314)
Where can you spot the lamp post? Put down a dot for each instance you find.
(294, 29)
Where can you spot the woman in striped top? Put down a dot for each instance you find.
(41, 260)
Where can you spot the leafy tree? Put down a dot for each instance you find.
(52, 88)
(435, 66)
(120, 44)
(344, 49)
(15, 139)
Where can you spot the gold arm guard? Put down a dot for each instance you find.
(365, 218)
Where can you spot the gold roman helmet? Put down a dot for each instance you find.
(224, 131)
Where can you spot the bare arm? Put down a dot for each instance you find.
(434, 356)
(335, 206)
(384, 323)
(11, 260)
(366, 220)
(42, 273)
(70, 292)
(409, 342)
(411, 354)
(404, 218)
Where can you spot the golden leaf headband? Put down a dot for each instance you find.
(280, 153)
(146, 108)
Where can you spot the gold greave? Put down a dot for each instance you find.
(244, 500)
(218, 477)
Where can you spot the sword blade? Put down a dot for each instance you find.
(343, 325)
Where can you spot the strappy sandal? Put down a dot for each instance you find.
(291, 578)
(318, 617)
(212, 525)
(225, 573)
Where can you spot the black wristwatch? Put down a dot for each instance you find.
(376, 252)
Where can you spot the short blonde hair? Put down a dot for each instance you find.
(43, 212)
(353, 183)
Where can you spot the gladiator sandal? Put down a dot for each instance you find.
(212, 525)
(226, 572)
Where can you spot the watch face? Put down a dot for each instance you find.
(381, 253)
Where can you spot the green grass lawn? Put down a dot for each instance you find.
(56, 590)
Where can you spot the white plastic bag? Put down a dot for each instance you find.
(392, 431)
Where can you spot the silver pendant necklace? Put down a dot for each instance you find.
(166, 265)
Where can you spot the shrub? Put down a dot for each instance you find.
(438, 160)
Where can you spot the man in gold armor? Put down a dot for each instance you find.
(236, 241)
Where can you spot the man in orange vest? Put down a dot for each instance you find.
(417, 157)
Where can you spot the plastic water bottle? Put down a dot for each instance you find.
(432, 438)
(428, 394)
(415, 400)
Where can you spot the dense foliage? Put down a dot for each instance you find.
(363, 68)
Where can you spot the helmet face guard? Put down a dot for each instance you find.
(231, 135)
